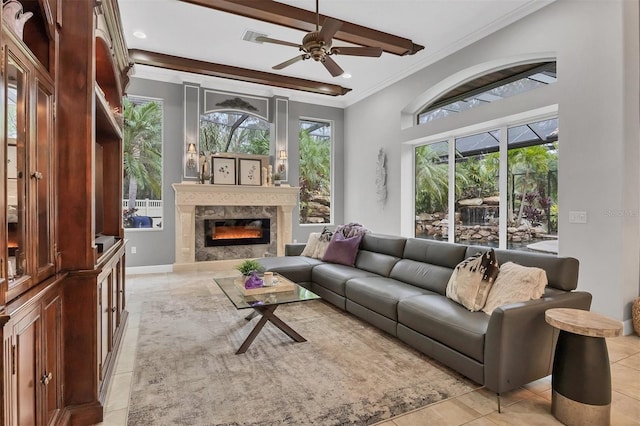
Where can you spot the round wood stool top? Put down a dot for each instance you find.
(581, 322)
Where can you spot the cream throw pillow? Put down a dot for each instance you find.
(316, 246)
(516, 283)
(312, 245)
(472, 279)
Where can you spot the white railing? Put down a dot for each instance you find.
(146, 207)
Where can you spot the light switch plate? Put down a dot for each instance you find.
(577, 217)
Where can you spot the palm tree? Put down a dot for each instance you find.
(529, 162)
(432, 180)
(142, 160)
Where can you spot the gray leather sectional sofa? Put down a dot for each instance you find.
(398, 285)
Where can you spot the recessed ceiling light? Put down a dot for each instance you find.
(346, 75)
(139, 34)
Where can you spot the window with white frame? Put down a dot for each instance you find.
(142, 205)
(315, 171)
(530, 203)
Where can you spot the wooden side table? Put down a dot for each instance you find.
(581, 378)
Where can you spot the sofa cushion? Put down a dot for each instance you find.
(296, 268)
(447, 322)
(423, 275)
(472, 279)
(380, 294)
(516, 283)
(378, 263)
(333, 276)
(435, 252)
(385, 244)
(342, 250)
(562, 272)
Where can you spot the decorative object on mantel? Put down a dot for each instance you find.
(381, 177)
(223, 170)
(250, 172)
(264, 176)
(203, 170)
(281, 167)
(13, 15)
(269, 175)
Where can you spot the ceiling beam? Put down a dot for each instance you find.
(176, 63)
(305, 20)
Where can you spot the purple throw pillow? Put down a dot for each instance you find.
(342, 250)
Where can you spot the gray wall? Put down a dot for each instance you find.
(597, 102)
(157, 247)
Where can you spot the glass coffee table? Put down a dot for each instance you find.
(264, 302)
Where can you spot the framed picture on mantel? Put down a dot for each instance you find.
(223, 170)
(250, 172)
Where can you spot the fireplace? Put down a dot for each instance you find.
(237, 232)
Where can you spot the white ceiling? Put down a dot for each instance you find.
(442, 26)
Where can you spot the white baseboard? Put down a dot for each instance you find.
(151, 269)
(211, 265)
(627, 327)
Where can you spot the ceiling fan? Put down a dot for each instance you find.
(316, 45)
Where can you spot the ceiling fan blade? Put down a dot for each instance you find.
(289, 62)
(331, 66)
(357, 51)
(275, 41)
(329, 29)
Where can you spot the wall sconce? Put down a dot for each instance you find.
(191, 156)
(282, 156)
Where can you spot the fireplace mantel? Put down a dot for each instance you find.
(190, 195)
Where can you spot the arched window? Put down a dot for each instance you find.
(233, 131)
(489, 88)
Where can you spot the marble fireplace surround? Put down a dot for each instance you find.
(190, 195)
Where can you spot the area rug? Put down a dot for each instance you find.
(347, 373)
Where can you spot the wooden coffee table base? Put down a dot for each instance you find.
(267, 315)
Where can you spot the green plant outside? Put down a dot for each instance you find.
(528, 172)
(315, 170)
(234, 132)
(142, 151)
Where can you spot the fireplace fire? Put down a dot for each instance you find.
(233, 232)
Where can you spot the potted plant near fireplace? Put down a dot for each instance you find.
(250, 269)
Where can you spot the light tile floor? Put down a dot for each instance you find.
(529, 405)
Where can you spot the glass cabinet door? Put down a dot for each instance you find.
(15, 128)
(42, 179)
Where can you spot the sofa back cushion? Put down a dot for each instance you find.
(423, 275)
(435, 252)
(385, 244)
(562, 272)
(379, 253)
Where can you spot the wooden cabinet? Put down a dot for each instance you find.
(33, 343)
(92, 50)
(30, 144)
(31, 306)
(62, 281)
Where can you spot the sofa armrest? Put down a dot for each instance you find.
(294, 249)
(519, 344)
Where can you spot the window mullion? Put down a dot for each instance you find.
(451, 237)
(502, 187)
